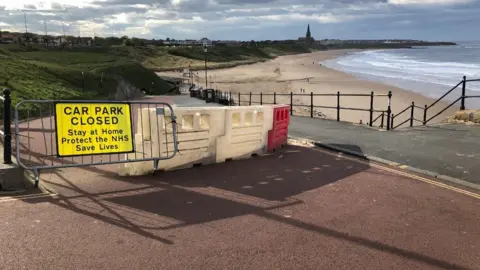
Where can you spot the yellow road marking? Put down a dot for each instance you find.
(403, 166)
(408, 175)
(25, 197)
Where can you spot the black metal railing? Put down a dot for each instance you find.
(385, 117)
(228, 98)
(6, 132)
(380, 116)
(212, 96)
(411, 120)
(312, 106)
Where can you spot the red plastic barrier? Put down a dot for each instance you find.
(278, 136)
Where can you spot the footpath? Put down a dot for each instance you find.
(446, 149)
(299, 208)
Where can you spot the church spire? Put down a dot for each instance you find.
(309, 35)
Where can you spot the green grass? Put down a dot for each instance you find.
(38, 73)
(175, 58)
(220, 54)
(55, 73)
(284, 49)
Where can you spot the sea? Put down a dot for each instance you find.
(430, 71)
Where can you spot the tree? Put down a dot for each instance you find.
(127, 42)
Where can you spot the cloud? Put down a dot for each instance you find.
(248, 19)
(429, 2)
(29, 6)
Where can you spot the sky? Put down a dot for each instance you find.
(433, 20)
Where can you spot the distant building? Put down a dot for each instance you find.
(191, 42)
(6, 38)
(199, 42)
(205, 40)
(308, 39)
(58, 41)
(227, 42)
(86, 42)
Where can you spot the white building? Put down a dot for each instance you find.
(205, 41)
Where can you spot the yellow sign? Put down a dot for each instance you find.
(93, 128)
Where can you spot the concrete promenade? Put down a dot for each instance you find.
(448, 149)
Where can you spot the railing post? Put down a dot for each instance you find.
(229, 97)
(389, 109)
(411, 114)
(311, 104)
(239, 102)
(371, 108)
(7, 149)
(338, 106)
(274, 98)
(425, 115)
(464, 82)
(391, 124)
(383, 116)
(291, 103)
(250, 100)
(261, 98)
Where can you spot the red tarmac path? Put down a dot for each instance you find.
(300, 208)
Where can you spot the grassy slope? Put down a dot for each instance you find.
(39, 73)
(218, 57)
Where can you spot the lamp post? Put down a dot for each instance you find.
(205, 51)
(83, 81)
(190, 74)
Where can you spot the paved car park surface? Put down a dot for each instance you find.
(299, 208)
(447, 149)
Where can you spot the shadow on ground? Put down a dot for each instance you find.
(275, 177)
(152, 205)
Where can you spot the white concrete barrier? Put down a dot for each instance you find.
(197, 131)
(145, 117)
(149, 126)
(246, 132)
(145, 149)
(205, 135)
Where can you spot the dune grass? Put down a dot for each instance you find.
(175, 58)
(467, 116)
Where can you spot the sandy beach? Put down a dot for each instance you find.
(291, 73)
